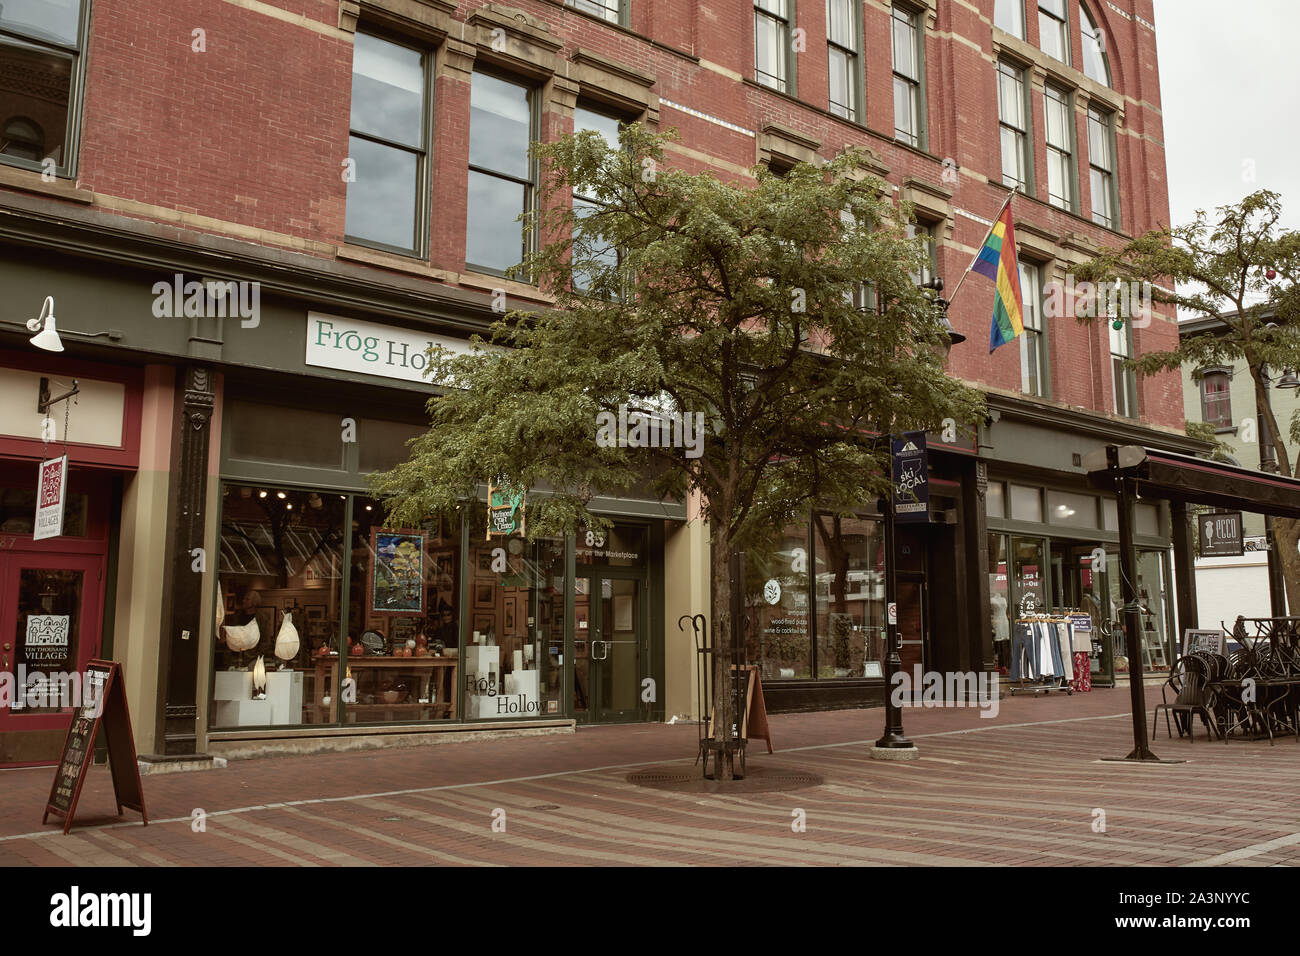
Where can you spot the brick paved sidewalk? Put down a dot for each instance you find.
(1024, 788)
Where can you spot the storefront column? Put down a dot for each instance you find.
(179, 644)
(973, 493)
(1184, 569)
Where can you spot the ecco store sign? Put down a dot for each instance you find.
(371, 349)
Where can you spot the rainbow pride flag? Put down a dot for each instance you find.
(997, 260)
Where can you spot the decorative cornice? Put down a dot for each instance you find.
(1094, 424)
(585, 57)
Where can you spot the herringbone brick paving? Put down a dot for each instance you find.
(1025, 788)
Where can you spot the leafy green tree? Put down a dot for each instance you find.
(1239, 267)
(739, 306)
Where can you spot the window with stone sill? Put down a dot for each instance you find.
(1009, 15)
(843, 46)
(614, 11)
(1054, 29)
(387, 147)
(1095, 63)
(1060, 158)
(502, 184)
(41, 55)
(909, 108)
(772, 61)
(1216, 398)
(1013, 122)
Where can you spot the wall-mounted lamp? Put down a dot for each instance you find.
(47, 335)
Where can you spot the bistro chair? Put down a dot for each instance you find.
(1189, 680)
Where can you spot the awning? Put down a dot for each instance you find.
(1162, 474)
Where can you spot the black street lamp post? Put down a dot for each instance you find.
(894, 744)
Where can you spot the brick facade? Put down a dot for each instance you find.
(246, 137)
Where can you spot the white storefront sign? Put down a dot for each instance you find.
(372, 349)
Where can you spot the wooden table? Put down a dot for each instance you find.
(428, 670)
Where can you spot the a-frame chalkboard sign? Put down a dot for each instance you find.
(103, 702)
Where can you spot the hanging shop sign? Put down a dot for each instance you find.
(355, 346)
(51, 496)
(1221, 535)
(505, 512)
(911, 478)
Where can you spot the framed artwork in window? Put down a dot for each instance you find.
(485, 595)
(396, 579)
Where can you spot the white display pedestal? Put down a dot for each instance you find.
(232, 690)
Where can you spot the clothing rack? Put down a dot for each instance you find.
(1042, 653)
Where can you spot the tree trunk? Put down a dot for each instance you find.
(720, 555)
(1286, 531)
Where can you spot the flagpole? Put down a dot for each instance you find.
(980, 248)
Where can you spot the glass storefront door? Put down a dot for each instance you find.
(610, 649)
(49, 628)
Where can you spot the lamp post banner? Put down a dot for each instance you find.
(911, 478)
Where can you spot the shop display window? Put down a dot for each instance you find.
(1029, 594)
(514, 645)
(850, 596)
(776, 603)
(402, 644)
(279, 604)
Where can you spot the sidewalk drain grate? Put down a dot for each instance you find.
(757, 780)
(547, 806)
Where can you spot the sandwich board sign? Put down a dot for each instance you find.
(103, 704)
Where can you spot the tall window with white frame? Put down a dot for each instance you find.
(926, 232)
(387, 192)
(1101, 162)
(611, 10)
(1009, 15)
(772, 43)
(1054, 29)
(1013, 113)
(501, 175)
(909, 108)
(1033, 351)
(1095, 64)
(843, 44)
(1124, 379)
(1060, 158)
(585, 203)
(1216, 397)
(40, 53)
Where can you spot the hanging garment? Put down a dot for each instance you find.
(1082, 672)
(1024, 652)
(1050, 651)
(1063, 643)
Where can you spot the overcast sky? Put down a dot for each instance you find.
(1230, 86)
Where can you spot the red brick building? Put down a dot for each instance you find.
(354, 168)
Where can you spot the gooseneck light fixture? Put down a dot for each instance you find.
(46, 337)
